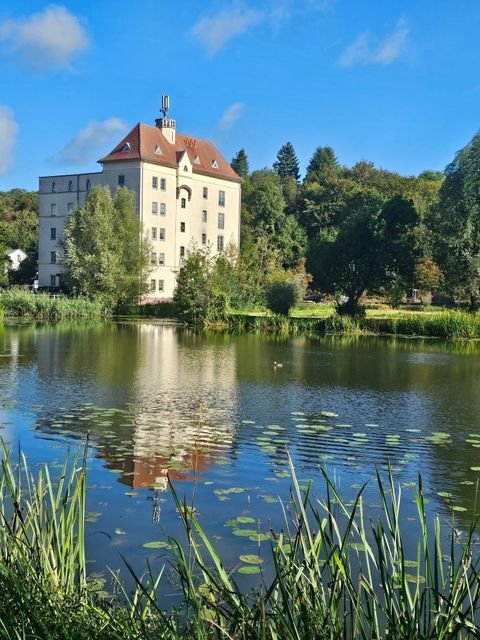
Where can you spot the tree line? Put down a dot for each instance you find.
(344, 231)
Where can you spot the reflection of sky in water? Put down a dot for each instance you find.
(214, 409)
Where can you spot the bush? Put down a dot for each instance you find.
(282, 295)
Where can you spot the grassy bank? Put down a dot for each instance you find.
(335, 575)
(17, 303)
(440, 324)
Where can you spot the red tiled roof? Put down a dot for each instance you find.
(141, 142)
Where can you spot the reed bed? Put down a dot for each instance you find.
(445, 324)
(25, 304)
(336, 574)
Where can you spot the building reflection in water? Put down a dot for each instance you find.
(156, 399)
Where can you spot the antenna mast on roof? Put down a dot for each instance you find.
(165, 105)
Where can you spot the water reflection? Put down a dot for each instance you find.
(158, 399)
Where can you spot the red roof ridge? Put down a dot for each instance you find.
(147, 142)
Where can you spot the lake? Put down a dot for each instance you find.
(214, 413)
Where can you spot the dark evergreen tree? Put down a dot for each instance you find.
(322, 160)
(286, 164)
(240, 163)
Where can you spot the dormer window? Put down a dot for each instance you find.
(197, 160)
(158, 150)
(126, 147)
(214, 164)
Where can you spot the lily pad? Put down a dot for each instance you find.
(251, 559)
(249, 570)
(155, 544)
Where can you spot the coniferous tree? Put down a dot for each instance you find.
(286, 164)
(323, 159)
(240, 163)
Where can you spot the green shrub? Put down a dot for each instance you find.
(282, 295)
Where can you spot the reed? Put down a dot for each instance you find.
(24, 304)
(335, 573)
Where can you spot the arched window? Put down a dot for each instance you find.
(54, 187)
(70, 185)
(88, 184)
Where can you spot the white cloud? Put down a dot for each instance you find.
(361, 51)
(213, 33)
(231, 115)
(87, 143)
(8, 135)
(48, 39)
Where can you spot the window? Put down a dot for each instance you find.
(69, 207)
(121, 181)
(70, 185)
(205, 192)
(153, 285)
(53, 233)
(88, 185)
(53, 209)
(154, 233)
(158, 150)
(182, 227)
(54, 187)
(221, 221)
(214, 164)
(53, 257)
(160, 285)
(163, 184)
(204, 216)
(219, 243)
(163, 209)
(153, 258)
(221, 198)
(182, 252)
(185, 168)
(204, 238)
(183, 203)
(197, 160)
(126, 147)
(154, 182)
(161, 259)
(161, 234)
(53, 281)
(155, 207)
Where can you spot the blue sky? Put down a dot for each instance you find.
(396, 83)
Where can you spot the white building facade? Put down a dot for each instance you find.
(187, 195)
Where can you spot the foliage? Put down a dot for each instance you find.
(457, 224)
(19, 220)
(104, 254)
(286, 164)
(335, 575)
(282, 295)
(322, 160)
(240, 163)
(428, 277)
(19, 303)
(197, 299)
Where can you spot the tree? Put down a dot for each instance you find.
(323, 159)
(197, 296)
(240, 163)
(287, 163)
(104, 254)
(456, 224)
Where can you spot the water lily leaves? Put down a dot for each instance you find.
(244, 533)
(251, 559)
(328, 414)
(475, 468)
(245, 520)
(260, 537)
(410, 563)
(92, 516)
(444, 494)
(249, 570)
(155, 544)
(456, 508)
(225, 492)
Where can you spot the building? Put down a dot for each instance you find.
(187, 194)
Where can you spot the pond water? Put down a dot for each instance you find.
(214, 413)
